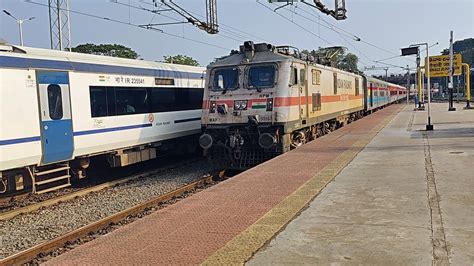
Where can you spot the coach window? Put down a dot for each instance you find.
(131, 100)
(261, 77)
(163, 100)
(111, 108)
(225, 79)
(98, 97)
(55, 102)
(175, 99)
(316, 76)
(188, 98)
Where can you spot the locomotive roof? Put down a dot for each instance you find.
(259, 57)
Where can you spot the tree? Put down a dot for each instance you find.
(335, 57)
(465, 48)
(181, 60)
(114, 50)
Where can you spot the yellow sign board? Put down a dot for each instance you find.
(439, 65)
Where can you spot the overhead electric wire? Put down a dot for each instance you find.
(246, 33)
(133, 25)
(234, 31)
(298, 25)
(353, 36)
(169, 17)
(340, 35)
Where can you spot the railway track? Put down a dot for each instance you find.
(41, 250)
(13, 211)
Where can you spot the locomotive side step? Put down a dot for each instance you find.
(51, 177)
(46, 181)
(52, 170)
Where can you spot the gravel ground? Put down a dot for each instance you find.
(30, 229)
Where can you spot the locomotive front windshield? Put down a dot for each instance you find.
(226, 79)
(260, 77)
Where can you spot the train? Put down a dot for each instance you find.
(264, 100)
(58, 110)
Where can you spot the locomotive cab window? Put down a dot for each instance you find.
(261, 77)
(294, 76)
(55, 102)
(225, 79)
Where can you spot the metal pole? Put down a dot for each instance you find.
(457, 90)
(429, 126)
(468, 85)
(450, 84)
(416, 84)
(60, 28)
(420, 86)
(69, 27)
(21, 31)
(423, 85)
(50, 24)
(408, 82)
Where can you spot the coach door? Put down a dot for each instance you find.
(371, 93)
(55, 116)
(302, 92)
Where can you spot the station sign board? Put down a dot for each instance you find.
(439, 65)
(410, 50)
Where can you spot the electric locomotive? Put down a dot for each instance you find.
(264, 100)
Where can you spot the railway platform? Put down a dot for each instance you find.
(377, 191)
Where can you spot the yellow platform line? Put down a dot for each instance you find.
(242, 247)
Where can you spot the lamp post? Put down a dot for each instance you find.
(413, 50)
(429, 126)
(20, 23)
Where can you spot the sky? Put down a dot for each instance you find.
(384, 26)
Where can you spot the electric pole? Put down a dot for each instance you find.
(408, 83)
(59, 25)
(378, 68)
(450, 84)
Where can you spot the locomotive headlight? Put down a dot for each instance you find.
(269, 104)
(240, 105)
(212, 108)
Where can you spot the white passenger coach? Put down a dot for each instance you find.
(58, 109)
